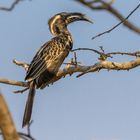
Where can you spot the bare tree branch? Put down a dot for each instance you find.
(7, 126)
(13, 82)
(113, 66)
(27, 136)
(102, 5)
(114, 27)
(70, 69)
(6, 123)
(136, 54)
(22, 64)
(12, 6)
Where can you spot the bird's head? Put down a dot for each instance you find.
(59, 22)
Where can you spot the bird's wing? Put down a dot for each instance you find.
(49, 54)
(38, 63)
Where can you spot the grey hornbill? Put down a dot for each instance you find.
(50, 56)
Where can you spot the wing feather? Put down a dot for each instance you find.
(48, 58)
(38, 63)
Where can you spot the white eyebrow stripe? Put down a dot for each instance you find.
(54, 20)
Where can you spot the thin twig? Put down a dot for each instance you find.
(87, 49)
(8, 9)
(107, 6)
(25, 136)
(103, 55)
(21, 91)
(136, 54)
(13, 82)
(28, 128)
(22, 64)
(75, 58)
(114, 27)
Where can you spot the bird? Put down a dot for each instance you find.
(49, 58)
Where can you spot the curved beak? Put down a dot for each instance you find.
(72, 17)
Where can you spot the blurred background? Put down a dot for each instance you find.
(96, 106)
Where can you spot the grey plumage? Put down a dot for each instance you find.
(50, 57)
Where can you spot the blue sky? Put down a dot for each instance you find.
(97, 106)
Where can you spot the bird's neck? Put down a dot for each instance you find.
(67, 37)
(61, 29)
(65, 32)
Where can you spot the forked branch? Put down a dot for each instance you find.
(71, 68)
(107, 6)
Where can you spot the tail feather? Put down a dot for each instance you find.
(29, 105)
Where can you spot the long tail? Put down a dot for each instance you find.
(29, 105)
